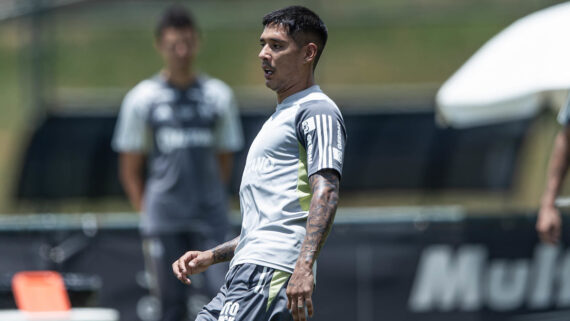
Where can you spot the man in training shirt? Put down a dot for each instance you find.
(185, 127)
(289, 189)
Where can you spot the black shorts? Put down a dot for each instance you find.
(250, 293)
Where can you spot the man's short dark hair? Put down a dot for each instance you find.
(302, 24)
(175, 16)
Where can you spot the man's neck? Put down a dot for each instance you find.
(300, 86)
(180, 78)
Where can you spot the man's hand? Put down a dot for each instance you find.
(299, 292)
(192, 262)
(549, 224)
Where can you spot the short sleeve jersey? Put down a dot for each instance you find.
(306, 134)
(181, 131)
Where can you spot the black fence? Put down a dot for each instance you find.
(417, 264)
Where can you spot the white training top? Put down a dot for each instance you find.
(305, 135)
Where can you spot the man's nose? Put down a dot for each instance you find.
(263, 53)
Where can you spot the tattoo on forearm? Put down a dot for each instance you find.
(325, 187)
(225, 252)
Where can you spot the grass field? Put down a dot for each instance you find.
(99, 46)
(371, 42)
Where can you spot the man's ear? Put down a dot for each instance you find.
(310, 52)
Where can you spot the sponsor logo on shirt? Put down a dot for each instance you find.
(169, 139)
(309, 149)
(308, 125)
(338, 136)
(229, 311)
(259, 165)
(337, 151)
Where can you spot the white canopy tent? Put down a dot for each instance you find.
(517, 72)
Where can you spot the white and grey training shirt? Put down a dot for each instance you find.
(304, 135)
(182, 131)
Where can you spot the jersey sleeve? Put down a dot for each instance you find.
(564, 114)
(131, 131)
(320, 130)
(228, 131)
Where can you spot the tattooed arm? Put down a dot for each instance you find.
(224, 252)
(194, 262)
(324, 185)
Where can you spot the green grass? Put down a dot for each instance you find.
(399, 54)
(10, 78)
(355, 55)
(379, 42)
(98, 58)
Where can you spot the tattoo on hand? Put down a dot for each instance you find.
(225, 252)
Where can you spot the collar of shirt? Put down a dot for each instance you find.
(289, 101)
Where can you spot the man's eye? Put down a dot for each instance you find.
(276, 46)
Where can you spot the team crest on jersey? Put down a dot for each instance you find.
(162, 112)
(308, 125)
(205, 109)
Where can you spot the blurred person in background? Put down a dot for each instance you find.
(289, 188)
(176, 135)
(549, 222)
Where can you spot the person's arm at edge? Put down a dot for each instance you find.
(194, 262)
(325, 188)
(131, 166)
(549, 221)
